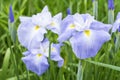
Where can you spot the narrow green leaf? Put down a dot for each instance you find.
(3, 74)
(105, 65)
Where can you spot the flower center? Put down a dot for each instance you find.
(37, 27)
(39, 55)
(52, 24)
(72, 26)
(87, 32)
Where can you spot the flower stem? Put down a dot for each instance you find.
(80, 71)
(95, 9)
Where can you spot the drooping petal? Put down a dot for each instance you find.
(87, 43)
(36, 63)
(55, 54)
(29, 34)
(96, 25)
(66, 35)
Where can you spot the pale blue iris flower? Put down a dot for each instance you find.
(116, 25)
(32, 29)
(36, 59)
(86, 35)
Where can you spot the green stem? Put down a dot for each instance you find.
(110, 16)
(48, 72)
(85, 5)
(80, 71)
(95, 9)
(13, 57)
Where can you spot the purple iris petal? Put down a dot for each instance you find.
(87, 43)
(96, 25)
(36, 63)
(30, 34)
(11, 15)
(111, 4)
(118, 15)
(116, 24)
(54, 26)
(55, 54)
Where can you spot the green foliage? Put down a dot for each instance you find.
(105, 65)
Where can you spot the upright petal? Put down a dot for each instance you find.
(54, 26)
(42, 19)
(36, 63)
(87, 43)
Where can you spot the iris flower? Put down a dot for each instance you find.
(36, 59)
(116, 25)
(86, 35)
(32, 29)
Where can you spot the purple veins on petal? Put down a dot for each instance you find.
(11, 15)
(36, 63)
(87, 43)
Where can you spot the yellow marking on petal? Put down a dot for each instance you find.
(87, 32)
(72, 26)
(37, 27)
(39, 55)
(52, 24)
(53, 49)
